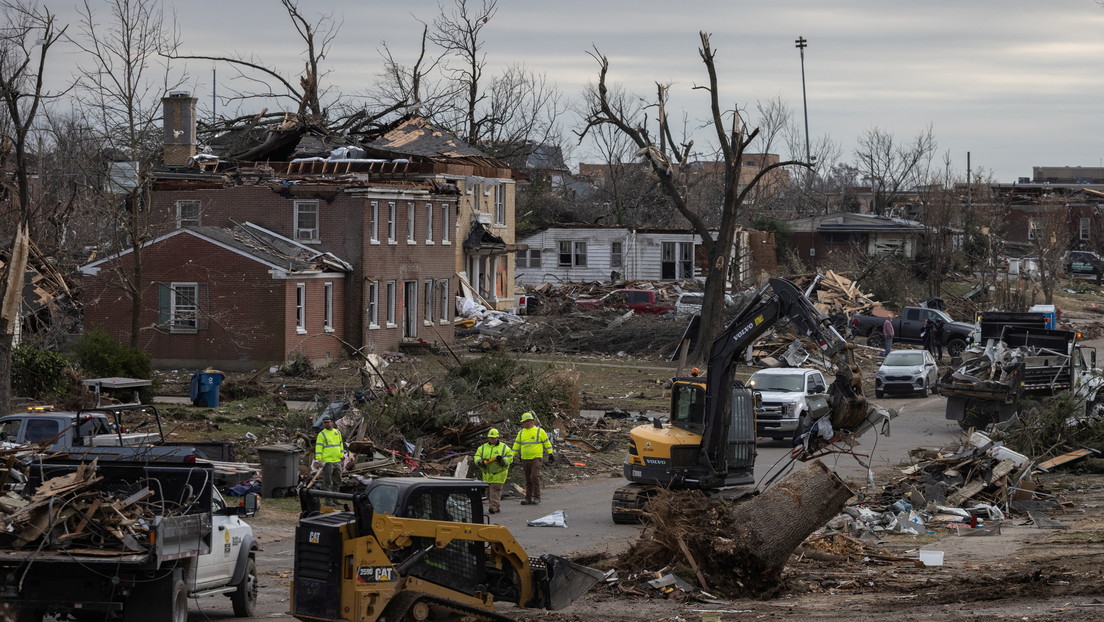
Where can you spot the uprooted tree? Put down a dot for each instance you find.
(738, 549)
(666, 157)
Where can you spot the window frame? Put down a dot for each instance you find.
(327, 307)
(410, 222)
(392, 297)
(176, 289)
(443, 284)
(617, 250)
(180, 218)
(446, 233)
(392, 226)
(576, 252)
(500, 204)
(373, 222)
(373, 305)
(301, 308)
(303, 207)
(427, 302)
(429, 222)
(1084, 228)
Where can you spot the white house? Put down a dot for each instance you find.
(588, 253)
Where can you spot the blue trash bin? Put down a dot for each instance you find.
(205, 388)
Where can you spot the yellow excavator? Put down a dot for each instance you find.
(709, 442)
(415, 549)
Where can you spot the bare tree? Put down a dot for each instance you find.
(27, 33)
(121, 84)
(665, 157)
(459, 35)
(893, 167)
(1049, 235)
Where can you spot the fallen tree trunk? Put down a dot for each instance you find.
(739, 549)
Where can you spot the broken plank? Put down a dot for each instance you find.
(1066, 458)
(965, 493)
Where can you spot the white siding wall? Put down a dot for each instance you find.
(641, 255)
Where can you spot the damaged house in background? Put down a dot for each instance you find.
(315, 245)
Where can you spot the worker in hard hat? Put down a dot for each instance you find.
(329, 451)
(493, 459)
(531, 445)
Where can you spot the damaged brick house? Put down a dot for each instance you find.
(412, 214)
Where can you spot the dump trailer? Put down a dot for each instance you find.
(1017, 371)
(418, 549)
(124, 541)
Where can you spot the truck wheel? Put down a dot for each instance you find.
(955, 347)
(163, 600)
(878, 393)
(245, 599)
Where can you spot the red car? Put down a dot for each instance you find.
(639, 300)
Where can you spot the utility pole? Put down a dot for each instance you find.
(801, 43)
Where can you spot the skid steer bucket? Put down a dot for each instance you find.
(563, 581)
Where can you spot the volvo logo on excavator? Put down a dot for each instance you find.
(743, 331)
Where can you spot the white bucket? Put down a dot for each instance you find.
(931, 558)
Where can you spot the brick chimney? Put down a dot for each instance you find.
(180, 127)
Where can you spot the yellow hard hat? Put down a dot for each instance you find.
(492, 433)
(526, 417)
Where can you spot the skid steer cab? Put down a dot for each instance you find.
(418, 549)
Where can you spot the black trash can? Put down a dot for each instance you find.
(205, 388)
(279, 469)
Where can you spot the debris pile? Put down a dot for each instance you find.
(838, 294)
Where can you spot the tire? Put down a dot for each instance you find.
(875, 340)
(163, 600)
(879, 394)
(245, 599)
(955, 347)
(924, 392)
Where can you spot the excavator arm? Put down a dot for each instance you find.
(849, 408)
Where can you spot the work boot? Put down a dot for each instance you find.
(529, 502)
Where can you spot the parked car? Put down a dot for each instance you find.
(907, 371)
(787, 395)
(1082, 262)
(644, 301)
(689, 303)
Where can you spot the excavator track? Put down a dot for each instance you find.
(628, 503)
(419, 607)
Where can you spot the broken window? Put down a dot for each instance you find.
(179, 306)
(300, 307)
(500, 204)
(306, 221)
(373, 304)
(429, 223)
(327, 307)
(427, 301)
(616, 254)
(1034, 228)
(187, 214)
(677, 260)
(410, 222)
(573, 254)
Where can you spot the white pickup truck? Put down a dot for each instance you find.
(787, 395)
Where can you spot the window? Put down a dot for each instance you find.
(500, 204)
(410, 222)
(427, 301)
(391, 214)
(178, 307)
(301, 308)
(446, 232)
(677, 260)
(373, 304)
(616, 254)
(327, 307)
(41, 430)
(529, 258)
(306, 220)
(1034, 228)
(391, 303)
(956, 242)
(1083, 233)
(443, 290)
(373, 222)
(187, 214)
(429, 223)
(573, 254)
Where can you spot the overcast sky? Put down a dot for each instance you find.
(1016, 83)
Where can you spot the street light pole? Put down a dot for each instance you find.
(801, 43)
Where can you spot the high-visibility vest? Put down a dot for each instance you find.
(329, 447)
(532, 443)
(494, 472)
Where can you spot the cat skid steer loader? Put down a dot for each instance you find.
(417, 549)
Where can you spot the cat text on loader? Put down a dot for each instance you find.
(416, 549)
(710, 441)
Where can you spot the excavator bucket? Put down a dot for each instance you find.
(564, 581)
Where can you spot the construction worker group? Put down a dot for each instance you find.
(494, 458)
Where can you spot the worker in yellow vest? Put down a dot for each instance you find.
(531, 445)
(329, 451)
(493, 459)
